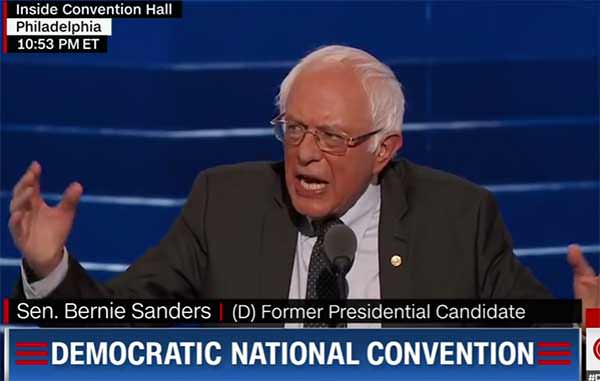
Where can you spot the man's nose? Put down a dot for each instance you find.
(309, 150)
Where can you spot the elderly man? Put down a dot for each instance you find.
(255, 230)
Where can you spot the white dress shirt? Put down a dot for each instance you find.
(43, 287)
(363, 278)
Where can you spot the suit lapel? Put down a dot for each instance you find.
(278, 243)
(394, 235)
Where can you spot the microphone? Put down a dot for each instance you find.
(340, 246)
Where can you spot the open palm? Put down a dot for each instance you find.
(38, 230)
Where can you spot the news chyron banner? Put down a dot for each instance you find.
(277, 354)
(72, 26)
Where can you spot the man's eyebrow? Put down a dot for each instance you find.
(292, 118)
(330, 127)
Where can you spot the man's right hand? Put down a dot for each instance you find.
(38, 230)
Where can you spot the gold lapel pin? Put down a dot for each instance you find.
(396, 260)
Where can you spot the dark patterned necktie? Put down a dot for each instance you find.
(321, 281)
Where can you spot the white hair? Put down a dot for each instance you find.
(379, 82)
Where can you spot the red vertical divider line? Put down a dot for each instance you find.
(4, 26)
(5, 314)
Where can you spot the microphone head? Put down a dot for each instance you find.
(340, 246)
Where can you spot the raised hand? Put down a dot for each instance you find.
(586, 283)
(38, 230)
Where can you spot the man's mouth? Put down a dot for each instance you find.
(311, 183)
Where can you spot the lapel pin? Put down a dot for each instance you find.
(396, 260)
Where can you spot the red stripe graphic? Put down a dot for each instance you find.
(547, 344)
(32, 353)
(4, 22)
(23, 344)
(5, 311)
(220, 311)
(32, 362)
(554, 353)
(554, 362)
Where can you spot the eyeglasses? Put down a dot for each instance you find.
(334, 142)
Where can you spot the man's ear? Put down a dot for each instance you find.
(386, 151)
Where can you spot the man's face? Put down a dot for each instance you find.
(322, 184)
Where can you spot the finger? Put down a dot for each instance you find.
(21, 200)
(25, 181)
(29, 177)
(71, 197)
(37, 172)
(577, 261)
(14, 223)
(589, 280)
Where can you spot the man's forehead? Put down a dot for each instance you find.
(328, 95)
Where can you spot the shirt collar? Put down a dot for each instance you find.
(360, 213)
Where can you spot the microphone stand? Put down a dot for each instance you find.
(341, 266)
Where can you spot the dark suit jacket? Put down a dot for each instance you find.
(236, 238)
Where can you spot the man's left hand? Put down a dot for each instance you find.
(586, 284)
